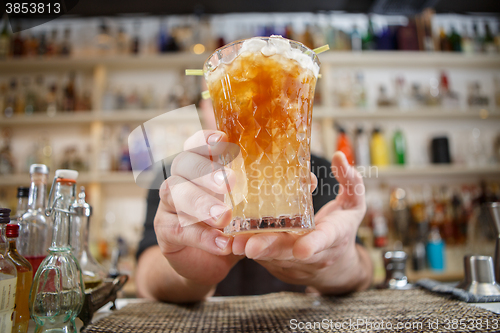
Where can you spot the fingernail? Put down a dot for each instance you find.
(214, 138)
(217, 211)
(221, 242)
(219, 178)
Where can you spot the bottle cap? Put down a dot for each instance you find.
(67, 174)
(12, 230)
(4, 215)
(23, 192)
(39, 168)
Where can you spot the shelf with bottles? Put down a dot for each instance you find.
(397, 113)
(443, 170)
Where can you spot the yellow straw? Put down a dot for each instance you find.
(205, 94)
(198, 72)
(319, 76)
(321, 49)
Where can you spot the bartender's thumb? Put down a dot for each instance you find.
(350, 181)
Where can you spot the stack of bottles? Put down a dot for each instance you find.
(424, 32)
(429, 218)
(372, 150)
(36, 247)
(32, 95)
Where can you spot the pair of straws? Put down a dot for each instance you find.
(206, 94)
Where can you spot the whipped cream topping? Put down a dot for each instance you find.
(279, 45)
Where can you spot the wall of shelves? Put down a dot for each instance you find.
(325, 115)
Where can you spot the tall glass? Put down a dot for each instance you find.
(262, 91)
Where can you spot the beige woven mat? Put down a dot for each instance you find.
(370, 311)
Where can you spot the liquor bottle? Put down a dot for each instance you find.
(31, 45)
(356, 44)
(344, 145)
(5, 40)
(29, 97)
(378, 148)
(8, 278)
(444, 41)
(65, 48)
(362, 148)
(104, 42)
(399, 144)
(477, 41)
(307, 37)
(383, 100)
(136, 41)
(42, 44)
(488, 42)
(20, 99)
(52, 47)
(455, 41)
(10, 99)
(7, 162)
(369, 39)
(93, 272)
(40, 94)
(467, 43)
(24, 279)
(358, 93)
(52, 105)
(34, 237)
(122, 42)
(69, 98)
(57, 293)
(435, 250)
(18, 47)
(22, 201)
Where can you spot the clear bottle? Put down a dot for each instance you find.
(57, 293)
(22, 201)
(24, 279)
(362, 148)
(93, 272)
(33, 239)
(8, 278)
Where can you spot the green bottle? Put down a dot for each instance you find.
(399, 143)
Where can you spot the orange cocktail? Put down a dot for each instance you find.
(262, 91)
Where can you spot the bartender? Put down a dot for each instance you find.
(187, 264)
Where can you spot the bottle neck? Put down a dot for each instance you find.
(12, 244)
(79, 235)
(64, 196)
(22, 206)
(38, 191)
(3, 241)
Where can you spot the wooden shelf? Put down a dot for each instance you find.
(396, 113)
(444, 170)
(162, 61)
(185, 60)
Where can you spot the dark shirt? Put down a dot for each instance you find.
(248, 277)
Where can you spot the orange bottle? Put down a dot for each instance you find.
(344, 145)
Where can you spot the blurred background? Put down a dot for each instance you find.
(410, 91)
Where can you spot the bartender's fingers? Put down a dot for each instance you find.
(314, 182)
(352, 188)
(201, 171)
(338, 231)
(174, 238)
(266, 246)
(207, 142)
(179, 195)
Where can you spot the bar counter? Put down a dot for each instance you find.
(414, 310)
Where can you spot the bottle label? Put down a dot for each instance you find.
(7, 302)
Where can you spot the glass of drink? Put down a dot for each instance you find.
(262, 91)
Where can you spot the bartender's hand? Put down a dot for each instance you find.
(327, 259)
(199, 252)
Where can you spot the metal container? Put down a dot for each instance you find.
(479, 276)
(494, 208)
(395, 270)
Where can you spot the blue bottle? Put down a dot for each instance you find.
(435, 251)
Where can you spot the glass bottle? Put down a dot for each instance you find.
(4, 40)
(22, 201)
(24, 279)
(32, 243)
(65, 47)
(344, 145)
(378, 148)
(399, 144)
(8, 278)
(93, 273)
(362, 148)
(57, 294)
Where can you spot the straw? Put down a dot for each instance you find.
(205, 94)
(321, 49)
(198, 72)
(319, 76)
